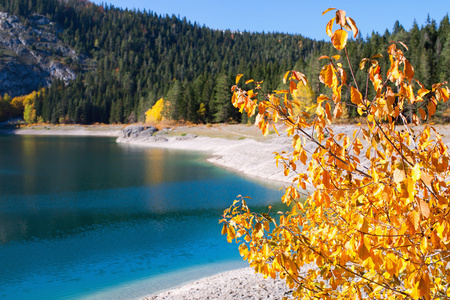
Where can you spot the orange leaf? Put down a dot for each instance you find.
(300, 77)
(363, 252)
(414, 219)
(356, 96)
(415, 120)
(352, 25)
(424, 208)
(431, 108)
(238, 77)
(324, 57)
(423, 114)
(292, 86)
(322, 98)
(325, 11)
(303, 156)
(401, 43)
(328, 76)
(329, 27)
(409, 71)
(340, 17)
(339, 39)
(224, 228)
(445, 94)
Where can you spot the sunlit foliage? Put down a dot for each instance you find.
(375, 221)
(155, 114)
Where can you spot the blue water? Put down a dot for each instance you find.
(85, 217)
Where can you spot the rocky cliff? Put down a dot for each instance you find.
(31, 55)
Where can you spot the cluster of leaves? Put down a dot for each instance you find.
(376, 219)
(140, 56)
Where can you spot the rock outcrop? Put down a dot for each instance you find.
(140, 133)
(31, 55)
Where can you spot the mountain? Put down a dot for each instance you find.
(123, 61)
(31, 55)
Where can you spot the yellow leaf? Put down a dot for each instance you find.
(329, 27)
(285, 76)
(266, 251)
(249, 81)
(363, 63)
(238, 77)
(415, 174)
(356, 96)
(339, 39)
(422, 92)
(336, 57)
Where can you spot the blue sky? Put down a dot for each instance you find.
(302, 17)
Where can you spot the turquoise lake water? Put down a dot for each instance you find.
(87, 218)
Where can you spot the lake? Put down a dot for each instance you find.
(87, 218)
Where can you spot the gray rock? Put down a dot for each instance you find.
(31, 55)
(138, 131)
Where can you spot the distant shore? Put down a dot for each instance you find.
(69, 130)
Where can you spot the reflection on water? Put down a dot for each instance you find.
(80, 214)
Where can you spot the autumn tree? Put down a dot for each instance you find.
(374, 221)
(155, 114)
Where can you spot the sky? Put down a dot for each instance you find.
(295, 17)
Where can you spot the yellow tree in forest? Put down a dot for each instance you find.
(303, 98)
(376, 219)
(155, 114)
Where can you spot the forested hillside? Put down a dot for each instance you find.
(140, 57)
